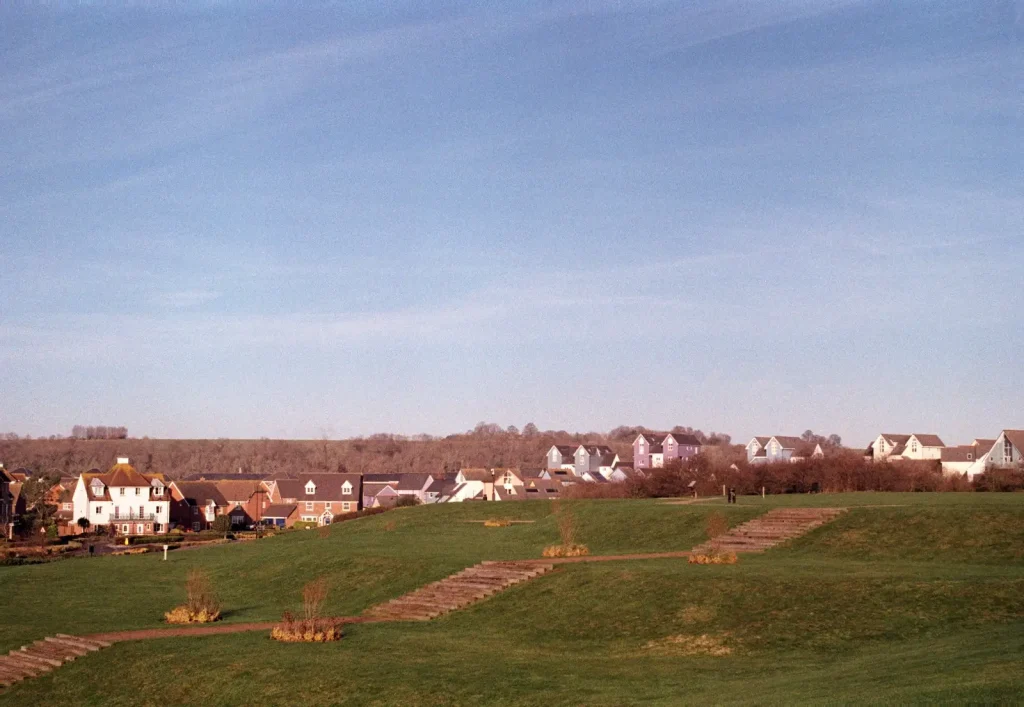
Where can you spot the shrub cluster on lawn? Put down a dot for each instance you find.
(566, 522)
(201, 605)
(313, 627)
(713, 558)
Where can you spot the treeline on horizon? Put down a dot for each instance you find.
(486, 445)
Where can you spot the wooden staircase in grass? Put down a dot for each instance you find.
(43, 656)
(765, 532)
(458, 591)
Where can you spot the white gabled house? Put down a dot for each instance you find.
(132, 502)
(913, 446)
(1007, 451)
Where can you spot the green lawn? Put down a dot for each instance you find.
(907, 598)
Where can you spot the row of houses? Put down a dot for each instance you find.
(126, 501)
(651, 450)
(967, 459)
(1004, 450)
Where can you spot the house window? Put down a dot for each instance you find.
(195, 526)
(327, 506)
(913, 446)
(138, 491)
(99, 510)
(346, 507)
(67, 506)
(122, 491)
(1007, 450)
(309, 505)
(158, 510)
(126, 529)
(158, 490)
(346, 489)
(142, 511)
(310, 488)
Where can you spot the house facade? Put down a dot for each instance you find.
(318, 497)
(781, 448)
(916, 446)
(655, 450)
(590, 457)
(130, 502)
(1007, 450)
(562, 456)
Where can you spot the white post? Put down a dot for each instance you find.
(762, 492)
(723, 489)
(165, 553)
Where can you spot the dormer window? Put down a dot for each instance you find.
(346, 488)
(158, 490)
(310, 488)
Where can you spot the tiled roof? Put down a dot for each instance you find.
(201, 492)
(929, 440)
(327, 487)
(476, 474)
(684, 439)
(963, 453)
(413, 482)
(237, 490)
(278, 510)
(1016, 438)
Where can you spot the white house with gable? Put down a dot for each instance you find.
(132, 502)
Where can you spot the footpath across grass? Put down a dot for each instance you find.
(884, 605)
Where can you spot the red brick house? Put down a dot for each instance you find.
(318, 497)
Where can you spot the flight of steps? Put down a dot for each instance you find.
(767, 531)
(43, 656)
(458, 591)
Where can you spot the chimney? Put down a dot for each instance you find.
(123, 460)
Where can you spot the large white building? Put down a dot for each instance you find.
(132, 502)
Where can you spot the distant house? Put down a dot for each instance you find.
(562, 456)
(781, 448)
(280, 515)
(473, 484)
(131, 502)
(319, 496)
(648, 452)
(399, 484)
(590, 457)
(655, 450)
(905, 446)
(1007, 450)
(195, 505)
(959, 460)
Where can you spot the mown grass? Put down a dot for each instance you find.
(913, 615)
(368, 560)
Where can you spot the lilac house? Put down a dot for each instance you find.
(651, 451)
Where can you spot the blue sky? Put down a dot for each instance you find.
(224, 219)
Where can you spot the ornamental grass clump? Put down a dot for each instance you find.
(313, 627)
(567, 532)
(201, 606)
(714, 558)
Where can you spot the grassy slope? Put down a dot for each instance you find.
(912, 612)
(257, 581)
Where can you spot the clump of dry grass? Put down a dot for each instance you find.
(201, 605)
(313, 628)
(574, 550)
(566, 522)
(682, 644)
(713, 558)
(497, 523)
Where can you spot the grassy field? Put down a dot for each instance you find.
(906, 598)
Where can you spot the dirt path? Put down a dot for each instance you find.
(208, 630)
